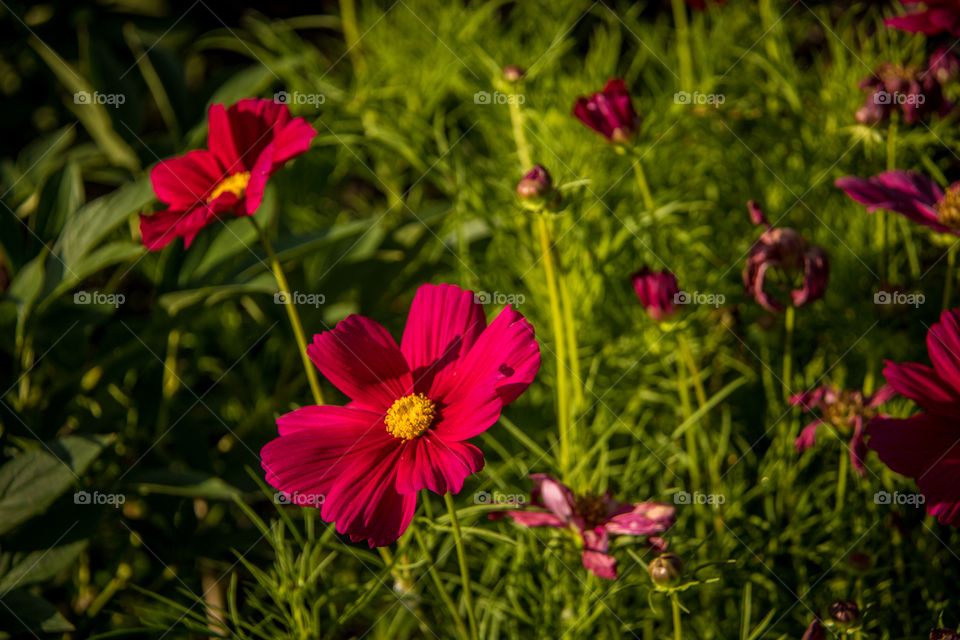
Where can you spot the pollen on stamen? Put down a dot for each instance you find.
(235, 184)
(410, 416)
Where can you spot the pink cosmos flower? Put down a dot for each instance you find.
(610, 112)
(927, 445)
(845, 410)
(247, 143)
(915, 93)
(656, 291)
(595, 518)
(912, 195)
(412, 409)
(935, 16)
(801, 268)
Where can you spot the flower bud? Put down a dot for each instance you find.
(665, 570)
(845, 613)
(513, 74)
(536, 187)
(944, 634)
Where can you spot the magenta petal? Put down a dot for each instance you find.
(554, 495)
(428, 462)
(905, 192)
(186, 180)
(595, 557)
(361, 359)
(808, 436)
(535, 519)
(498, 368)
(943, 344)
(444, 322)
(923, 385)
(291, 141)
(913, 446)
(646, 518)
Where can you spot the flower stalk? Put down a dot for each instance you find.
(292, 313)
(464, 569)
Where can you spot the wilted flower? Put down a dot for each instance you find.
(927, 445)
(610, 112)
(935, 16)
(665, 570)
(912, 195)
(944, 634)
(801, 268)
(846, 410)
(412, 409)
(595, 518)
(815, 631)
(247, 143)
(657, 292)
(915, 92)
(844, 613)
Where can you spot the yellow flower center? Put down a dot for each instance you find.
(948, 209)
(410, 416)
(235, 184)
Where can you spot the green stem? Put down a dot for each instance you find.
(441, 591)
(291, 313)
(684, 58)
(570, 329)
(842, 477)
(523, 149)
(788, 323)
(351, 35)
(692, 366)
(464, 570)
(563, 411)
(642, 182)
(677, 623)
(948, 280)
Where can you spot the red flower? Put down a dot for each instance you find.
(910, 194)
(927, 445)
(846, 410)
(803, 268)
(657, 292)
(412, 409)
(937, 17)
(595, 518)
(247, 144)
(610, 112)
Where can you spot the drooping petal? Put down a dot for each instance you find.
(160, 229)
(443, 324)
(908, 193)
(362, 359)
(858, 447)
(880, 396)
(646, 518)
(532, 518)
(428, 462)
(808, 436)
(596, 544)
(499, 367)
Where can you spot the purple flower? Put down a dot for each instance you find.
(846, 410)
(657, 292)
(938, 16)
(610, 112)
(802, 268)
(910, 194)
(595, 518)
